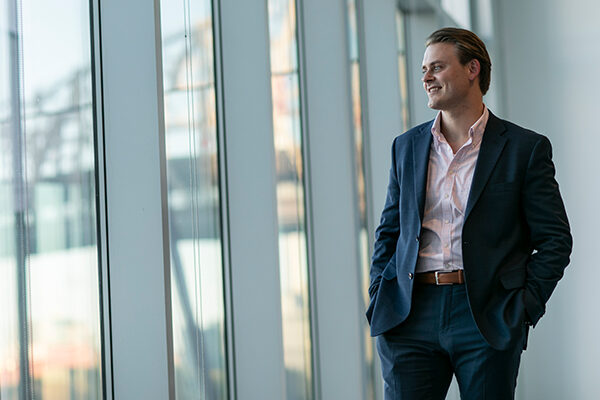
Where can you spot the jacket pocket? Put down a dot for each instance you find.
(514, 279)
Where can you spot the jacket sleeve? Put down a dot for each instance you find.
(549, 229)
(386, 234)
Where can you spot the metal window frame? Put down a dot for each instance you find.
(309, 200)
(224, 201)
(101, 224)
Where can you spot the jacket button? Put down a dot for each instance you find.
(410, 275)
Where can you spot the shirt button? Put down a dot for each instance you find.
(446, 245)
(447, 221)
(410, 275)
(446, 196)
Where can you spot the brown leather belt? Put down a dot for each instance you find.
(441, 278)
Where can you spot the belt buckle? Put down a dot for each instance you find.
(437, 280)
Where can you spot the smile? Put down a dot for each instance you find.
(433, 89)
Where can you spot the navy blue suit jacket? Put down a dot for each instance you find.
(516, 237)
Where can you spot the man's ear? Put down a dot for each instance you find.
(474, 68)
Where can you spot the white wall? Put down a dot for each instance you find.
(552, 59)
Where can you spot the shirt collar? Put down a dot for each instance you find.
(475, 131)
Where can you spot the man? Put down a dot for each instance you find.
(472, 241)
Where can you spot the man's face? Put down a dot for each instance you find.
(446, 81)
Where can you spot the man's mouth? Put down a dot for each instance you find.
(433, 89)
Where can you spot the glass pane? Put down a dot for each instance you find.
(359, 166)
(290, 199)
(50, 345)
(402, 68)
(194, 202)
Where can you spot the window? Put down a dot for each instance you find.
(293, 261)
(194, 200)
(50, 344)
(361, 183)
(402, 67)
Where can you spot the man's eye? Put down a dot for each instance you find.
(437, 68)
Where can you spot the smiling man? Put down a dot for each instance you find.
(472, 241)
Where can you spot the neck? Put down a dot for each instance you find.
(456, 123)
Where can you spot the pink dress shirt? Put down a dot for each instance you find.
(449, 180)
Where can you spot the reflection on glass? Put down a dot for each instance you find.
(402, 68)
(193, 198)
(359, 165)
(50, 346)
(290, 199)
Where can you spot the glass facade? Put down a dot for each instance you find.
(50, 287)
(402, 68)
(50, 342)
(361, 183)
(194, 200)
(287, 129)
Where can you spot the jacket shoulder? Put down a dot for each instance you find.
(520, 133)
(417, 130)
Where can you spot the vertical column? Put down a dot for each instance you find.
(138, 258)
(334, 208)
(253, 235)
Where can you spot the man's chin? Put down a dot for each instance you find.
(433, 105)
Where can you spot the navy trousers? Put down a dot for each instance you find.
(438, 339)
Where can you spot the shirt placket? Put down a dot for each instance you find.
(447, 215)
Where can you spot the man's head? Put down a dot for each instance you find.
(468, 47)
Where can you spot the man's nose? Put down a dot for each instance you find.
(427, 76)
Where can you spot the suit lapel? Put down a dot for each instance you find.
(491, 147)
(421, 144)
